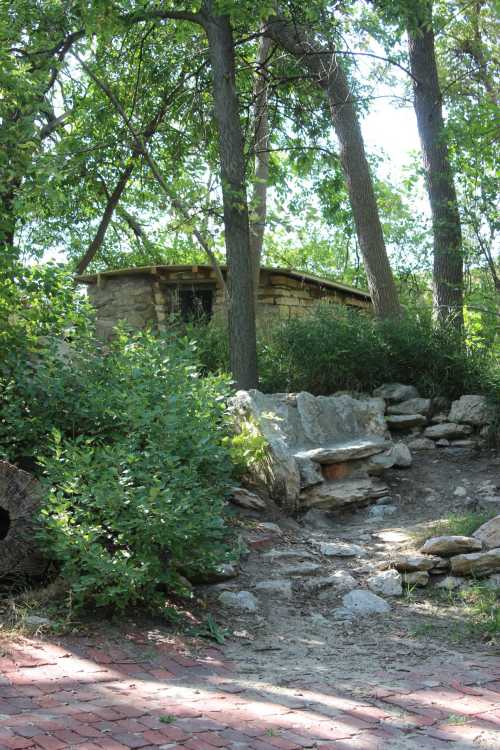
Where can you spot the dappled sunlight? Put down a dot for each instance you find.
(124, 696)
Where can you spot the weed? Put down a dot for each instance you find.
(167, 719)
(454, 525)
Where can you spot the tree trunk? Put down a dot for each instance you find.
(111, 205)
(330, 75)
(242, 334)
(19, 504)
(448, 257)
(261, 147)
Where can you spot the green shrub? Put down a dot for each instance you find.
(336, 348)
(136, 479)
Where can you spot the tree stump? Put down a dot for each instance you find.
(19, 503)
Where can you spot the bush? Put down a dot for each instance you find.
(138, 472)
(335, 348)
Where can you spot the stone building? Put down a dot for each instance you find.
(150, 295)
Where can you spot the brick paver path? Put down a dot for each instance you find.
(109, 696)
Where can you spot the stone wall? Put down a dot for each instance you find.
(150, 298)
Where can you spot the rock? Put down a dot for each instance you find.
(310, 473)
(386, 500)
(361, 603)
(388, 583)
(476, 563)
(411, 562)
(340, 549)
(448, 430)
(297, 424)
(289, 553)
(460, 492)
(440, 405)
(462, 444)
(346, 451)
(246, 499)
(272, 527)
(36, 621)
(405, 421)
(450, 583)
(318, 520)
(441, 565)
(443, 443)
(421, 444)
(341, 580)
(243, 600)
(318, 619)
(394, 392)
(472, 410)
(412, 406)
(301, 569)
(439, 418)
(223, 572)
(493, 582)
(402, 455)
(447, 546)
(381, 511)
(418, 578)
(489, 533)
(277, 586)
(336, 494)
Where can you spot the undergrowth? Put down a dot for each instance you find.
(454, 525)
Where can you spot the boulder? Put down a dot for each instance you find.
(381, 511)
(489, 533)
(476, 563)
(447, 546)
(447, 430)
(418, 578)
(220, 573)
(242, 600)
(472, 410)
(318, 520)
(402, 455)
(395, 392)
(297, 427)
(332, 495)
(411, 406)
(387, 583)
(421, 444)
(361, 603)
(405, 421)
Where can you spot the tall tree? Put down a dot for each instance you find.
(448, 274)
(327, 70)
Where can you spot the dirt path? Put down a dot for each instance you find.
(291, 674)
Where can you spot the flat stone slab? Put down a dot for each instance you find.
(405, 421)
(447, 546)
(409, 563)
(477, 563)
(345, 451)
(277, 586)
(340, 580)
(242, 600)
(447, 430)
(338, 494)
(301, 569)
(341, 549)
(412, 406)
(394, 392)
(418, 578)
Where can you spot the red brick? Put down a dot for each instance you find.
(213, 738)
(154, 738)
(16, 743)
(196, 744)
(131, 740)
(69, 737)
(48, 742)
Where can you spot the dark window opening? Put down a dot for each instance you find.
(4, 523)
(195, 303)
